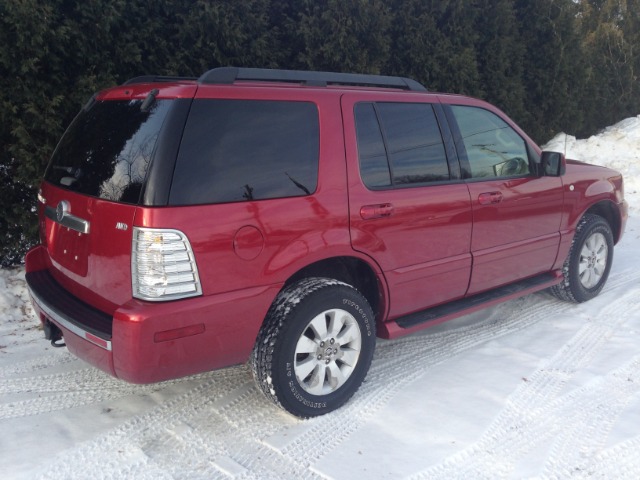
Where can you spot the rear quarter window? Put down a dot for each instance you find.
(241, 150)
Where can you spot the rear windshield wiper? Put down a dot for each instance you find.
(150, 100)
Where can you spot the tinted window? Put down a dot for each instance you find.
(493, 148)
(374, 166)
(235, 150)
(107, 150)
(403, 139)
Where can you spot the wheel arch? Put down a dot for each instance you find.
(609, 211)
(353, 271)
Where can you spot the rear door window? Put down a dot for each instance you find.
(399, 145)
(107, 149)
(241, 150)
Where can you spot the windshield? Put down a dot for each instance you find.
(107, 150)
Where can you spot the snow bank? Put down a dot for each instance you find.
(18, 325)
(617, 147)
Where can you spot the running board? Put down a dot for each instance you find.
(435, 315)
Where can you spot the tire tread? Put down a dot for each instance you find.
(262, 354)
(565, 290)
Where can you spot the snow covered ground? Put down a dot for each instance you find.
(532, 388)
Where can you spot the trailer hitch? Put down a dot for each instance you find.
(53, 333)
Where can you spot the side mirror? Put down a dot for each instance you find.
(552, 164)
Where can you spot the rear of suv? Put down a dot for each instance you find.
(288, 218)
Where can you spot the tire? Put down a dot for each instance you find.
(315, 347)
(587, 266)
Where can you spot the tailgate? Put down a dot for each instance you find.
(88, 241)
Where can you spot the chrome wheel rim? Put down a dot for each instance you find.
(327, 352)
(593, 260)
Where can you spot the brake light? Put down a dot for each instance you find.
(163, 266)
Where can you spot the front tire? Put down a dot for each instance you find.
(587, 266)
(315, 346)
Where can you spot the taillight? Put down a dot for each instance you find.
(42, 224)
(163, 266)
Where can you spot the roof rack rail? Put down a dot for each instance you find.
(158, 79)
(228, 75)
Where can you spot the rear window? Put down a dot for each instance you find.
(241, 150)
(107, 149)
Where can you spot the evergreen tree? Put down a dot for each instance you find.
(434, 42)
(500, 53)
(55, 53)
(223, 33)
(554, 71)
(343, 35)
(611, 39)
(31, 92)
(552, 65)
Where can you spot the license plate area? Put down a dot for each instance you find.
(69, 248)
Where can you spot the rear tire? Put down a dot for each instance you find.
(315, 347)
(587, 266)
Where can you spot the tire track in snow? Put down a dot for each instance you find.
(195, 436)
(67, 390)
(261, 461)
(40, 363)
(586, 433)
(184, 424)
(417, 354)
(110, 454)
(225, 436)
(235, 433)
(621, 462)
(532, 414)
(213, 439)
(399, 363)
(495, 455)
(390, 371)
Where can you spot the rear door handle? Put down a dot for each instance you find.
(489, 198)
(368, 212)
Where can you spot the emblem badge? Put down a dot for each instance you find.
(62, 210)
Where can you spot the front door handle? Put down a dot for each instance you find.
(489, 198)
(368, 212)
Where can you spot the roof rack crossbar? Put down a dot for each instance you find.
(157, 79)
(228, 75)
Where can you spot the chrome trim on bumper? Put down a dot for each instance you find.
(88, 336)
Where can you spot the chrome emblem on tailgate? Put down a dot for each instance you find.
(62, 210)
(62, 215)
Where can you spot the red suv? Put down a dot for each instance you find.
(287, 218)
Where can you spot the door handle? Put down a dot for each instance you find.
(489, 198)
(368, 212)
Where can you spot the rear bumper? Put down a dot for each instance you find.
(144, 342)
(68, 312)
